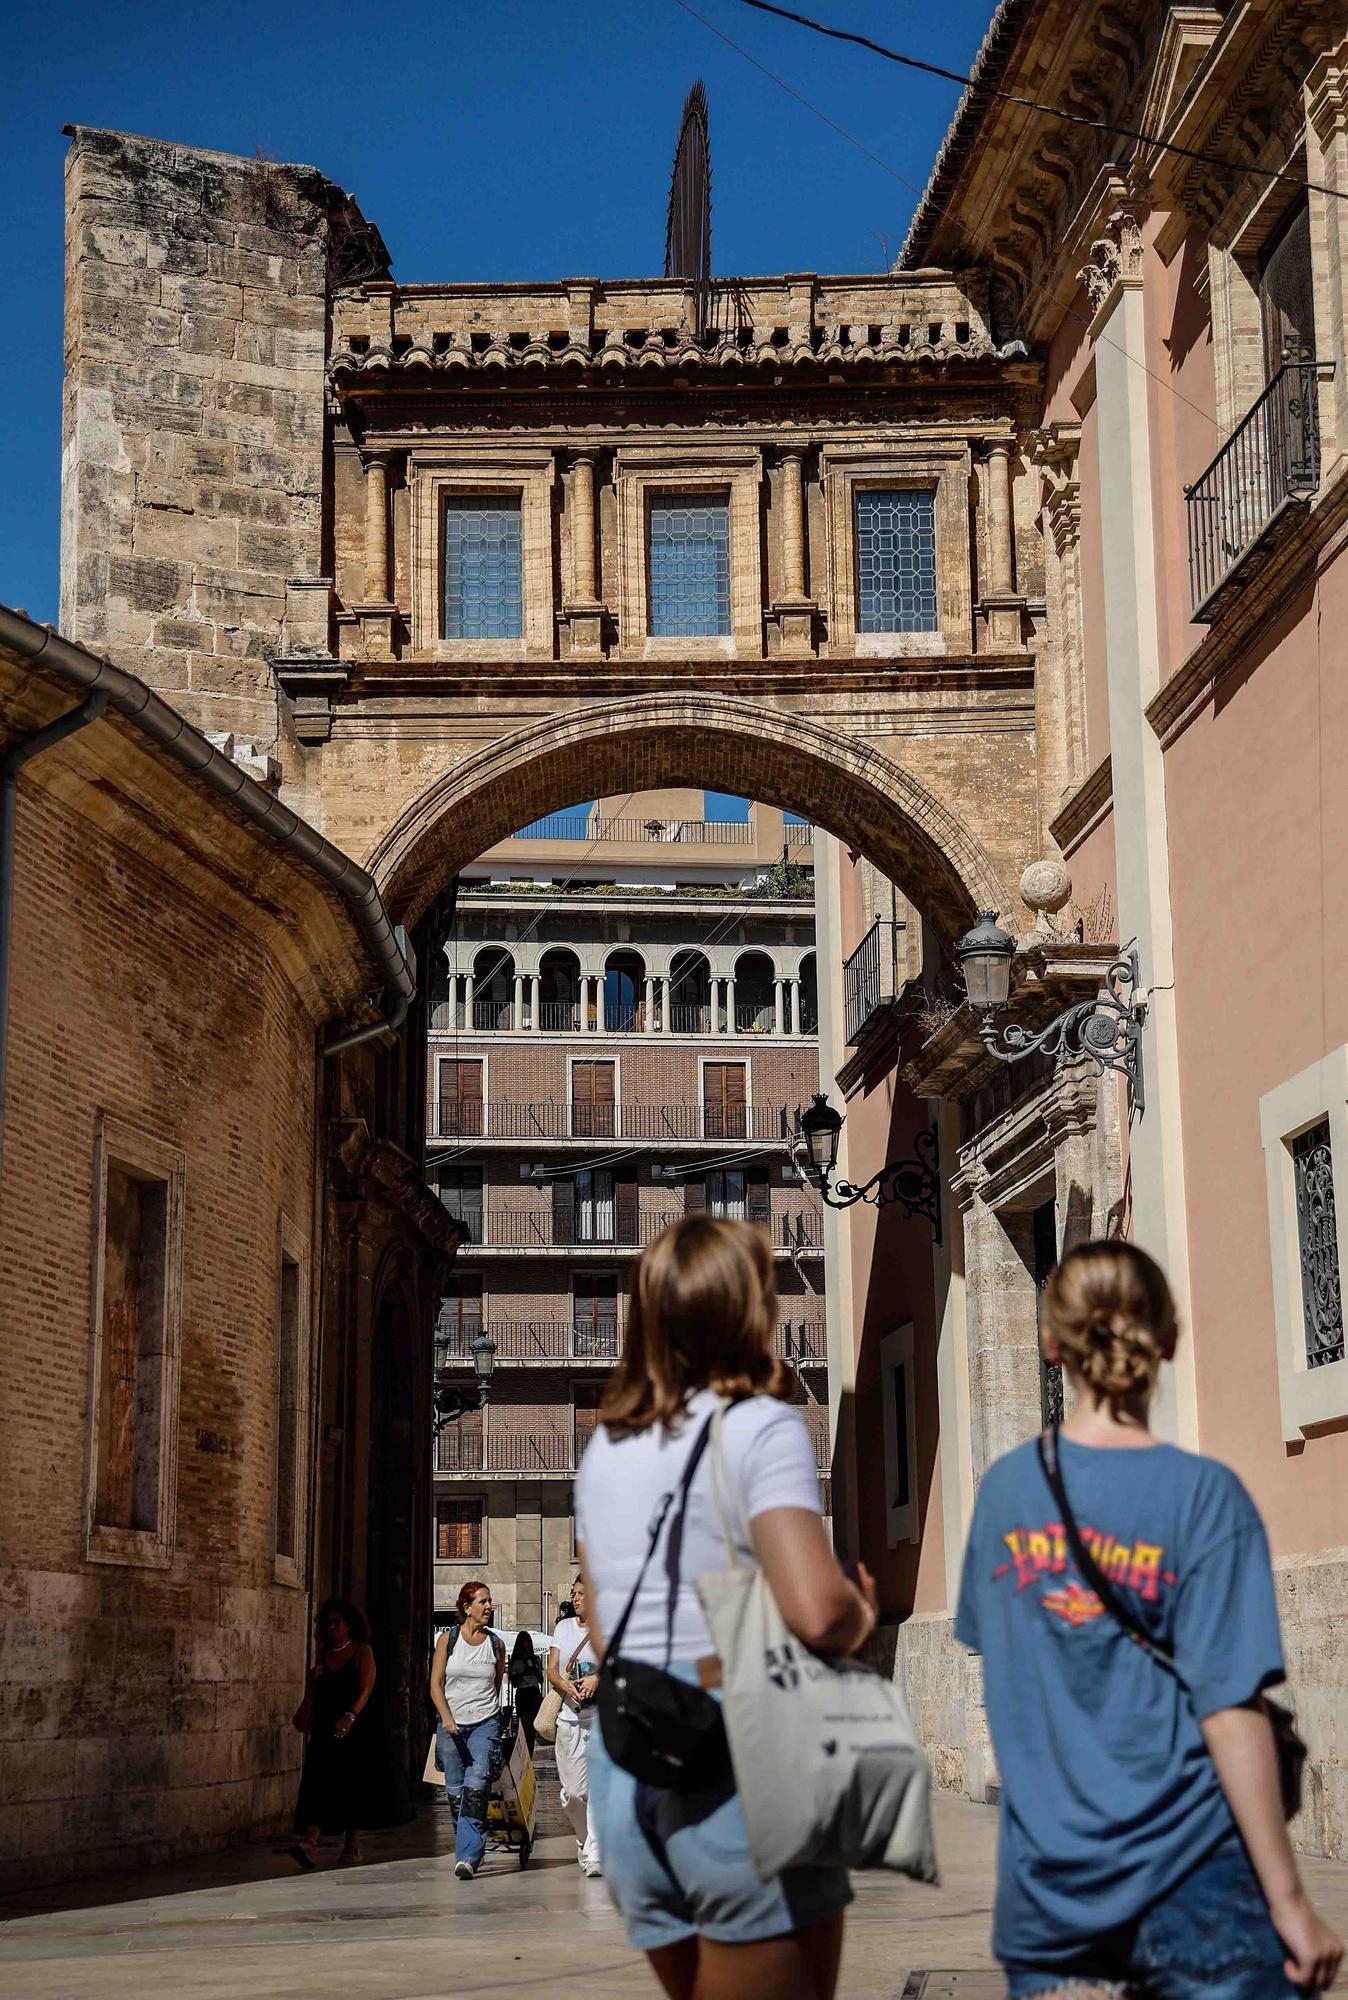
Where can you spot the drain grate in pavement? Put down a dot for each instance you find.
(954, 1986)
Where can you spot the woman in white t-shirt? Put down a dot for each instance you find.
(573, 1669)
(467, 1669)
(699, 1328)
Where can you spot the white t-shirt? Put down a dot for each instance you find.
(470, 1681)
(564, 1642)
(621, 1482)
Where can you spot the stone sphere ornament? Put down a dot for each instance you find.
(1046, 886)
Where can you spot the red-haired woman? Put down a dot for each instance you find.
(466, 1674)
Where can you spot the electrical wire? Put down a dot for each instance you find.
(979, 89)
(940, 208)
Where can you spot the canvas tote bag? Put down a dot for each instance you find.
(826, 1759)
(550, 1708)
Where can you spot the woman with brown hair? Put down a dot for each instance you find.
(1121, 1595)
(699, 1333)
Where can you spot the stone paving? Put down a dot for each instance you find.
(401, 1928)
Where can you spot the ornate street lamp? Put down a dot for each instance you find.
(1107, 1028)
(449, 1402)
(915, 1184)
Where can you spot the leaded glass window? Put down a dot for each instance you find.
(483, 568)
(690, 566)
(1317, 1235)
(896, 561)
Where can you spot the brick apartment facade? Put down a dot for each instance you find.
(622, 1026)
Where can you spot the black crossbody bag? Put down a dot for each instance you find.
(662, 1730)
(1291, 1751)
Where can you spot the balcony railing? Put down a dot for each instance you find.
(685, 832)
(802, 1343)
(528, 1121)
(870, 977)
(684, 1020)
(534, 1340)
(600, 1227)
(1271, 458)
(493, 1016)
(755, 1017)
(559, 1017)
(620, 1020)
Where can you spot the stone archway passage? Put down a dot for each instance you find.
(650, 742)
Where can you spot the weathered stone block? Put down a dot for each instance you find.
(203, 295)
(203, 335)
(38, 1770)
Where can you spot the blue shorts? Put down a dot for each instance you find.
(1210, 1938)
(677, 1863)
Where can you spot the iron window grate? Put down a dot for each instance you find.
(896, 561)
(690, 566)
(1317, 1234)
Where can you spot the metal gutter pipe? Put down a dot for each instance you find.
(11, 763)
(163, 725)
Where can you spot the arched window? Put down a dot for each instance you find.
(624, 993)
(689, 994)
(755, 1003)
(493, 988)
(559, 992)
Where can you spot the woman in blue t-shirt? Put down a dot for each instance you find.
(1142, 1831)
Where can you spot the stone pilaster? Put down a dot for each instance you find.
(794, 612)
(583, 612)
(1002, 607)
(1061, 694)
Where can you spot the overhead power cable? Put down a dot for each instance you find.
(989, 90)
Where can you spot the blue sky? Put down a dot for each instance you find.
(524, 141)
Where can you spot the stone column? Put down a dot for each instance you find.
(517, 1009)
(648, 1007)
(535, 995)
(376, 528)
(582, 531)
(778, 1010)
(1002, 607)
(793, 526)
(793, 1006)
(469, 985)
(664, 1005)
(715, 1005)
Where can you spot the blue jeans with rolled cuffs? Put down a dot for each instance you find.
(465, 1758)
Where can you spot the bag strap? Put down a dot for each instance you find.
(1121, 1613)
(584, 1642)
(680, 1492)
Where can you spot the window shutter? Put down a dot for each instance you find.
(563, 1211)
(626, 1195)
(760, 1201)
(695, 1197)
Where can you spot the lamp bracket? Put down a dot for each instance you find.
(1107, 1028)
(914, 1184)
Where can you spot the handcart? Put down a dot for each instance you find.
(512, 1805)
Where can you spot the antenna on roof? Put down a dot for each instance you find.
(688, 228)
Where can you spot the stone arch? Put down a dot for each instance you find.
(661, 741)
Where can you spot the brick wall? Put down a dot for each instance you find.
(196, 334)
(143, 1711)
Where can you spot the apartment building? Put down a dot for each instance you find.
(623, 1025)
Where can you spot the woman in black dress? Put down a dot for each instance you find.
(350, 1778)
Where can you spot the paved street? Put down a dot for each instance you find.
(401, 1928)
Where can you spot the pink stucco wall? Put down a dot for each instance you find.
(1182, 422)
(1258, 816)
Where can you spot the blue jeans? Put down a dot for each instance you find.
(465, 1758)
(1210, 1938)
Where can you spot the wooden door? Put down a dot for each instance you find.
(460, 1100)
(724, 1094)
(593, 1108)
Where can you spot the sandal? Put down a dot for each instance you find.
(303, 1853)
(350, 1857)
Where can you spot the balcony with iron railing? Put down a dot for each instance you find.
(556, 1343)
(871, 978)
(539, 1454)
(598, 1228)
(1268, 468)
(513, 1122)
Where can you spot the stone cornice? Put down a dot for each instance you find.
(1084, 810)
(375, 1170)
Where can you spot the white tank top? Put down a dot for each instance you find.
(470, 1681)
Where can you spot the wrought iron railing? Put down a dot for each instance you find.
(685, 1020)
(580, 1228)
(801, 1342)
(687, 832)
(559, 1016)
(533, 1340)
(755, 1017)
(870, 977)
(1272, 457)
(472, 1119)
(493, 1015)
(620, 1020)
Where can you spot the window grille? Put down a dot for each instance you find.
(1317, 1233)
(690, 566)
(483, 569)
(896, 561)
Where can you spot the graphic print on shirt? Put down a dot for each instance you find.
(1040, 1553)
